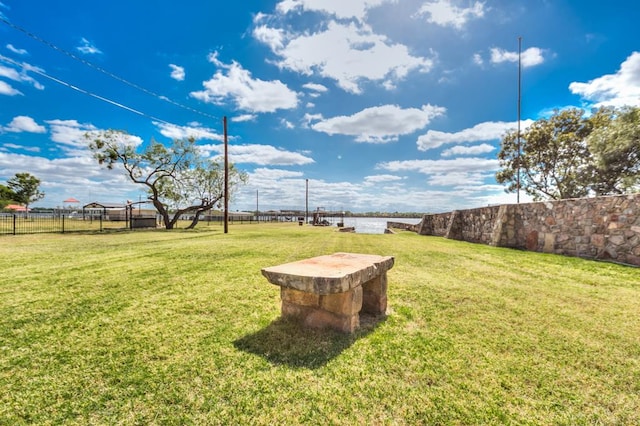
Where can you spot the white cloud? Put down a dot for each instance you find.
(87, 47)
(272, 37)
(20, 147)
(530, 57)
(248, 93)
(264, 155)
(444, 13)
(17, 51)
(72, 135)
(316, 87)
(435, 167)
(7, 89)
(23, 123)
(287, 124)
(341, 9)
(177, 72)
(379, 124)
(619, 89)
(185, 132)
(468, 150)
(19, 76)
(243, 117)
(349, 54)
(464, 175)
(375, 179)
(486, 131)
(457, 179)
(79, 176)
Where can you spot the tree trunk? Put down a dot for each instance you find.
(195, 220)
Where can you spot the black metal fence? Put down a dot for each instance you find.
(40, 223)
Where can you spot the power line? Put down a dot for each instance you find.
(102, 70)
(88, 93)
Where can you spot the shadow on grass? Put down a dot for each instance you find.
(285, 341)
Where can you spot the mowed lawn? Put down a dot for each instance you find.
(180, 327)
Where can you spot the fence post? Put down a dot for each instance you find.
(100, 222)
(63, 223)
(14, 224)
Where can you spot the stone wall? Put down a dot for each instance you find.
(596, 228)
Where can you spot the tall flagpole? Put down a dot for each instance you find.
(226, 177)
(519, 110)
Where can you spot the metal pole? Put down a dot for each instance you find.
(519, 110)
(257, 209)
(226, 177)
(306, 217)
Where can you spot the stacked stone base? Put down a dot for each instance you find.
(339, 311)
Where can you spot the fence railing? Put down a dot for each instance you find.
(36, 223)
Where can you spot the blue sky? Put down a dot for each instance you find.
(382, 105)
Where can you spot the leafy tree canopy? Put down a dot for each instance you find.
(25, 189)
(178, 179)
(570, 155)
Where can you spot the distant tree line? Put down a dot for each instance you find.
(573, 155)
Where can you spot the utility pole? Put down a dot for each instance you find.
(257, 209)
(519, 109)
(226, 177)
(306, 217)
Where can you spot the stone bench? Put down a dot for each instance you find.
(332, 290)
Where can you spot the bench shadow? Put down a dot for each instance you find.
(287, 342)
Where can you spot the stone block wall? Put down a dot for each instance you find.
(596, 228)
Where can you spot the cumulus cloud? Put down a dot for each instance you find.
(468, 150)
(349, 53)
(375, 179)
(263, 155)
(72, 135)
(185, 132)
(22, 76)
(379, 124)
(486, 131)
(243, 117)
(619, 89)
(235, 83)
(445, 13)
(177, 72)
(452, 173)
(8, 90)
(340, 9)
(530, 57)
(430, 167)
(23, 123)
(88, 48)
(316, 89)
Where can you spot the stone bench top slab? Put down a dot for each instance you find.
(334, 273)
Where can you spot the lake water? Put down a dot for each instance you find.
(372, 225)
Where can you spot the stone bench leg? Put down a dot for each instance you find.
(339, 311)
(374, 295)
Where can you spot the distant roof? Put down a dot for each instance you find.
(97, 205)
(71, 200)
(16, 207)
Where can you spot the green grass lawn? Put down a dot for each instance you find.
(180, 327)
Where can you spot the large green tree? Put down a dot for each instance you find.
(615, 146)
(7, 196)
(178, 179)
(25, 188)
(570, 155)
(552, 158)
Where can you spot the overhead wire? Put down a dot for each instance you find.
(93, 95)
(102, 70)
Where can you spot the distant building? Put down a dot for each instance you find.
(16, 208)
